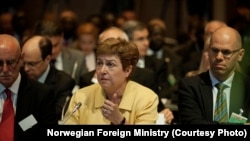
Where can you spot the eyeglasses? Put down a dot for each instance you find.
(8, 63)
(226, 52)
(31, 64)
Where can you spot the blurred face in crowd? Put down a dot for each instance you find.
(211, 27)
(87, 36)
(10, 59)
(140, 38)
(112, 32)
(57, 43)
(224, 52)
(34, 64)
(68, 20)
(156, 37)
(6, 23)
(87, 43)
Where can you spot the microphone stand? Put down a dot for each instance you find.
(77, 106)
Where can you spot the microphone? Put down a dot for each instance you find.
(77, 106)
(74, 70)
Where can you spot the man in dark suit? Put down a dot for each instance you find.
(31, 100)
(37, 52)
(66, 59)
(198, 94)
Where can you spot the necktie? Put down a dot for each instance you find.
(220, 113)
(7, 122)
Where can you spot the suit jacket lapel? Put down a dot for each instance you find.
(207, 95)
(149, 62)
(51, 79)
(236, 94)
(23, 97)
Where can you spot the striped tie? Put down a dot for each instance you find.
(220, 113)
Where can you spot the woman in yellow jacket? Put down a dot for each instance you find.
(115, 99)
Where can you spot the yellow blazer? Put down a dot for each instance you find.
(138, 105)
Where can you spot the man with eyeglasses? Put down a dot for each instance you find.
(37, 52)
(198, 94)
(29, 101)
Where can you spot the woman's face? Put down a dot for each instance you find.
(110, 73)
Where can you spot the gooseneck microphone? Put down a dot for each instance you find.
(77, 106)
(64, 107)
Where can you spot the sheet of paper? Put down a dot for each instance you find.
(235, 118)
(28, 122)
(161, 119)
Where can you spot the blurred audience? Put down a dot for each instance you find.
(69, 21)
(124, 16)
(241, 22)
(87, 39)
(163, 48)
(20, 24)
(190, 44)
(209, 29)
(6, 24)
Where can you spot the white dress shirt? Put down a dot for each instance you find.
(226, 91)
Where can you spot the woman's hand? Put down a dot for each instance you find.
(110, 110)
(168, 115)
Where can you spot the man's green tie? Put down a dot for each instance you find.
(220, 113)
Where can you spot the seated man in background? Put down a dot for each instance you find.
(37, 52)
